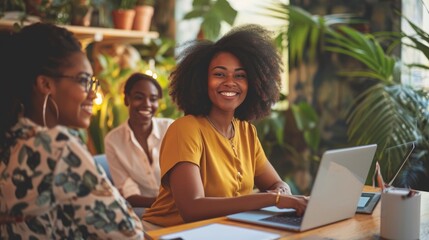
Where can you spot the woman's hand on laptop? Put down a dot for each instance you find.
(297, 202)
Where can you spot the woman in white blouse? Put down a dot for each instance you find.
(132, 149)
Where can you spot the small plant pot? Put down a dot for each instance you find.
(143, 18)
(81, 15)
(123, 18)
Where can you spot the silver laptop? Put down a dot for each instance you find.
(335, 194)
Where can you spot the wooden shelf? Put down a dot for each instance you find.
(97, 34)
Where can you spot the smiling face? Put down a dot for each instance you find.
(227, 83)
(74, 103)
(142, 102)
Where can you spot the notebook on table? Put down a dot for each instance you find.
(218, 231)
(334, 196)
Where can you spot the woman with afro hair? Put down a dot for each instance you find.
(211, 159)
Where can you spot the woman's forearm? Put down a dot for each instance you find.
(140, 201)
(210, 207)
(282, 187)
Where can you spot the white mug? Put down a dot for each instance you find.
(400, 214)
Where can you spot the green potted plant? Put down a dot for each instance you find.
(123, 14)
(144, 12)
(388, 112)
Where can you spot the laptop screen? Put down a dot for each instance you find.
(334, 196)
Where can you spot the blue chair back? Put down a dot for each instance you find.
(101, 159)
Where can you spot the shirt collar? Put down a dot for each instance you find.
(156, 131)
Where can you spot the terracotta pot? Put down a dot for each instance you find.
(143, 18)
(123, 18)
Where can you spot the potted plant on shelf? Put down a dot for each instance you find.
(123, 15)
(144, 12)
(81, 11)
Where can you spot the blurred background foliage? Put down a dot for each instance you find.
(381, 108)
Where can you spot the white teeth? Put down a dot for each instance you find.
(87, 108)
(228, 94)
(144, 112)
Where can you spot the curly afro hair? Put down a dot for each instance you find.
(253, 46)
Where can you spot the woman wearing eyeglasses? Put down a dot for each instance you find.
(50, 187)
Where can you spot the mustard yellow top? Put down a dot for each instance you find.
(227, 167)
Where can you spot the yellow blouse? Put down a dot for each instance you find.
(227, 166)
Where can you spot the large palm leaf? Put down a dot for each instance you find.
(304, 32)
(365, 49)
(388, 101)
(420, 41)
(389, 115)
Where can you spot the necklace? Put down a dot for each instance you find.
(232, 131)
(239, 175)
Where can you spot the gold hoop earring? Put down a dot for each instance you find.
(45, 102)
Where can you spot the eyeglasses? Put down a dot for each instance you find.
(89, 82)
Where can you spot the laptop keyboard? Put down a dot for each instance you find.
(285, 218)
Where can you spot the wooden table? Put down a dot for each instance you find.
(361, 226)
